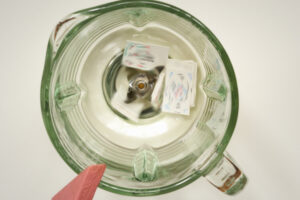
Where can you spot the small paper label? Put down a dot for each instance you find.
(144, 56)
(193, 88)
(157, 91)
(180, 80)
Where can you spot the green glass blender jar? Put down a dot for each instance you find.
(159, 152)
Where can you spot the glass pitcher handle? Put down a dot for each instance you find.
(226, 176)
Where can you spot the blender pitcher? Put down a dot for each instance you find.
(158, 152)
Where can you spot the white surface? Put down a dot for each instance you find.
(262, 40)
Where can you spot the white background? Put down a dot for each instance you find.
(261, 38)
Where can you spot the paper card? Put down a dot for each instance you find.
(158, 90)
(179, 83)
(144, 56)
(193, 65)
